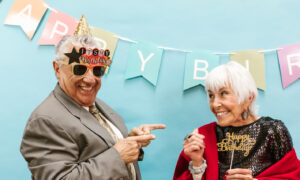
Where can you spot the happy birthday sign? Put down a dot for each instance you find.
(234, 142)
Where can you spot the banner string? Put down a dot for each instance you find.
(173, 49)
(226, 53)
(47, 6)
(188, 51)
(125, 39)
(269, 50)
(170, 48)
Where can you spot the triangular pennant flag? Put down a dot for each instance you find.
(27, 14)
(197, 66)
(289, 60)
(144, 60)
(58, 25)
(254, 62)
(108, 40)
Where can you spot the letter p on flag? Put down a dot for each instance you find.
(58, 25)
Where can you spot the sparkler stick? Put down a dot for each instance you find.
(232, 154)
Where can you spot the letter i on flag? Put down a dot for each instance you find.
(58, 25)
(144, 60)
(254, 62)
(289, 60)
(197, 66)
(27, 14)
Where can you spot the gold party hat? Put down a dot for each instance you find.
(82, 27)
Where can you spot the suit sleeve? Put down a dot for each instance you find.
(52, 154)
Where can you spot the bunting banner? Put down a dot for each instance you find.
(27, 14)
(254, 62)
(58, 25)
(144, 60)
(197, 66)
(289, 60)
(108, 40)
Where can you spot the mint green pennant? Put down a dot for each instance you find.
(197, 66)
(144, 60)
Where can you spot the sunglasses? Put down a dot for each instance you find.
(81, 69)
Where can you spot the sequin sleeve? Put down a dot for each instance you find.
(281, 141)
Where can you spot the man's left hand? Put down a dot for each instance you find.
(145, 129)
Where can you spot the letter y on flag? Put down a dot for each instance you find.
(144, 60)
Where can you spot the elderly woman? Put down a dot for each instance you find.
(241, 145)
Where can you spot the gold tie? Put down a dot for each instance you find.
(103, 121)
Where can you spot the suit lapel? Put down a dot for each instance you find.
(112, 116)
(92, 123)
(85, 117)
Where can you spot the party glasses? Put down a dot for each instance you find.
(81, 69)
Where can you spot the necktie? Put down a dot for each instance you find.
(103, 121)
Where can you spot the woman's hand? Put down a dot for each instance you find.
(193, 147)
(239, 174)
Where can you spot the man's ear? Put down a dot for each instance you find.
(56, 69)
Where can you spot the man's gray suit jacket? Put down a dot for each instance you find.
(62, 140)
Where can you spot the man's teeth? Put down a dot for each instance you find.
(86, 88)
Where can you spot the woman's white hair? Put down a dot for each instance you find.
(236, 77)
(75, 40)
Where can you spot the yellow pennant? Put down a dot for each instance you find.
(254, 62)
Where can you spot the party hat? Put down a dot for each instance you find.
(82, 27)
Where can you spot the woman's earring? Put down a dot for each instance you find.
(245, 115)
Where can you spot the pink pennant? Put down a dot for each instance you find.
(289, 60)
(58, 25)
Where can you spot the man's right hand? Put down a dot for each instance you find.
(129, 147)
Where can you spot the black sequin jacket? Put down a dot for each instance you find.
(255, 146)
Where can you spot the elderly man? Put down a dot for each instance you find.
(74, 135)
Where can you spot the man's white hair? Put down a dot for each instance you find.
(236, 77)
(75, 40)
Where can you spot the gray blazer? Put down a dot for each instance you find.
(62, 140)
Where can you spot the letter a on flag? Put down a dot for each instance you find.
(289, 60)
(58, 25)
(27, 14)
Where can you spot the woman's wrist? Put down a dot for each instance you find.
(198, 169)
(197, 163)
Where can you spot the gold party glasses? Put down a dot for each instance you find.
(81, 69)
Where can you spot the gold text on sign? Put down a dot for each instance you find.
(236, 142)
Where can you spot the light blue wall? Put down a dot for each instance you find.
(220, 25)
